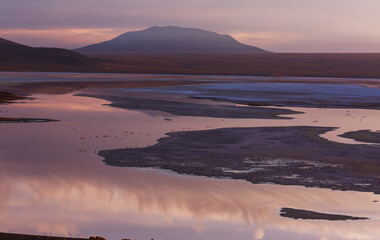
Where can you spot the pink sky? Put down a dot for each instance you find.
(275, 25)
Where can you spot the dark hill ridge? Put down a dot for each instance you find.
(18, 57)
(169, 40)
(7, 42)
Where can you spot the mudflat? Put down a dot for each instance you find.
(311, 215)
(183, 108)
(363, 136)
(6, 97)
(281, 155)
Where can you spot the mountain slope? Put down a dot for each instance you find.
(353, 65)
(17, 57)
(169, 40)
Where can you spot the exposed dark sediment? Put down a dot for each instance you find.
(310, 215)
(307, 102)
(24, 120)
(60, 85)
(194, 109)
(6, 97)
(363, 136)
(281, 155)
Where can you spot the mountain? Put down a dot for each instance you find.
(169, 39)
(338, 65)
(18, 57)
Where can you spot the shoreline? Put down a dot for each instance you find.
(280, 155)
(180, 107)
(363, 136)
(357, 174)
(268, 78)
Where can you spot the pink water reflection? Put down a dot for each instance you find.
(52, 182)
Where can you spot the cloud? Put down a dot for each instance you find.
(66, 38)
(317, 20)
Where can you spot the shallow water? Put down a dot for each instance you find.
(52, 181)
(275, 91)
(280, 93)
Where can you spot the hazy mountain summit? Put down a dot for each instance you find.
(169, 40)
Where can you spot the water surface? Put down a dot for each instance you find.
(52, 181)
(281, 93)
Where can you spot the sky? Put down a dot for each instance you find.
(275, 25)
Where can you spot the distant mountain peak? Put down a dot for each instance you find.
(170, 39)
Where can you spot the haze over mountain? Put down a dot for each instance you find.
(169, 39)
(18, 57)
